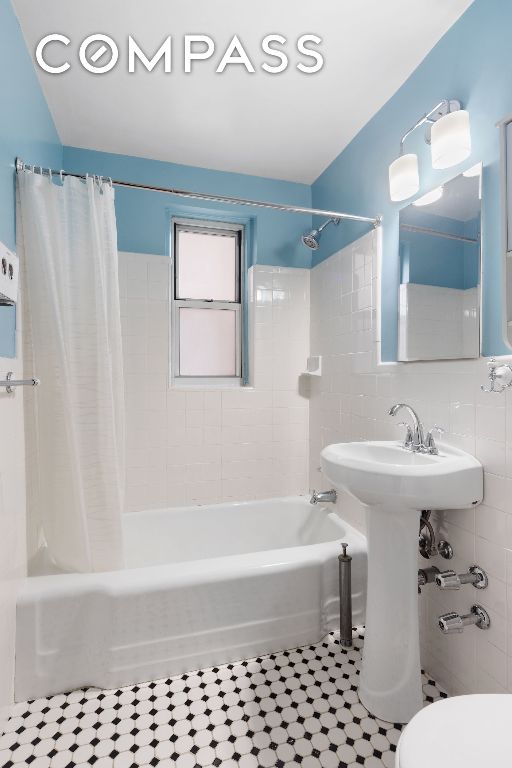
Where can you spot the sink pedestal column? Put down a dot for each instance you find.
(390, 680)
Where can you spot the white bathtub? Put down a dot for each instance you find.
(202, 586)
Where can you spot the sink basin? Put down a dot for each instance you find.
(382, 472)
(394, 485)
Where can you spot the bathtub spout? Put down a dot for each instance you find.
(319, 497)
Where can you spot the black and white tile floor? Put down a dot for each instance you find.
(290, 709)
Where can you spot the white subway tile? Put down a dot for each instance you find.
(491, 557)
(158, 291)
(491, 423)
(493, 456)
(248, 468)
(202, 472)
(491, 524)
(492, 661)
(496, 492)
(462, 418)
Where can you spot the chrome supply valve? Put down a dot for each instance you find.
(320, 497)
(452, 623)
(445, 549)
(427, 576)
(451, 580)
(429, 547)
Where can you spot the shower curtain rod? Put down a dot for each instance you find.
(376, 221)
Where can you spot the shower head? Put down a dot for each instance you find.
(311, 239)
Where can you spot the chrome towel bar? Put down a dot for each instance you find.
(9, 383)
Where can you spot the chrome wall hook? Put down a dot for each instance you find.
(499, 375)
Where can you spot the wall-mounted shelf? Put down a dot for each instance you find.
(314, 366)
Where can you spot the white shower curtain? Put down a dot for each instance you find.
(67, 243)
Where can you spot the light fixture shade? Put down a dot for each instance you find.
(404, 180)
(450, 139)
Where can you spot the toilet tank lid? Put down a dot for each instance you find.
(459, 732)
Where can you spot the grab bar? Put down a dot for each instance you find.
(9, 383)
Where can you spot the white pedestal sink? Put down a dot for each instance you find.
(395, 484)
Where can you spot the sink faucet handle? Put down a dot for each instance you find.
(430, 443)
(408, 439)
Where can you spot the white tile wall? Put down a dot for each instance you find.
(205, 446)
(12, 523)
(351, 401)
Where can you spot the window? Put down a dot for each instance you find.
(207, 302)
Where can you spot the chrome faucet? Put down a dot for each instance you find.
(319, 497)
(415, 438)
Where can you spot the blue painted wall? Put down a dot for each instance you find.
(143, 217)
(473, 63)
(27, 130)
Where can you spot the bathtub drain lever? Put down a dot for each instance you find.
(345, 588)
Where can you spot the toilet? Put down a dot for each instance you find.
(459, 732)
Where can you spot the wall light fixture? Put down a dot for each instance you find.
(449, 136)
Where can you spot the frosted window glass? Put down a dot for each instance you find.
(207, 266)
(207, 342)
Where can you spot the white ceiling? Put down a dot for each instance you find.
(287, 126)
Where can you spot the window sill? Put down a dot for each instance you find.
(208, 384)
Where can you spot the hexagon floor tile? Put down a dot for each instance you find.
(285, 710)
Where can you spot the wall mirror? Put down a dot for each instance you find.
(506, 192)
(439, 301)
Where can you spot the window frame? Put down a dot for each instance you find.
(223, 228)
